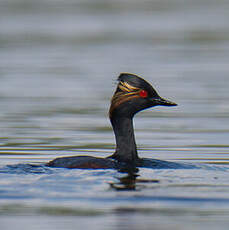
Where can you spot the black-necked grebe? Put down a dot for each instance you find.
(132, 95)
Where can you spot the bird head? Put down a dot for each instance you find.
(134, 94)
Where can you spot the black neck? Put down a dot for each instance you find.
(126, 150)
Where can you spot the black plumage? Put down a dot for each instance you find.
(133, 94)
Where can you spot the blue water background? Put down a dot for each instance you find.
(59, 61)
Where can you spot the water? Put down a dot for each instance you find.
(58, 65)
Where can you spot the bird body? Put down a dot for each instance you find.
(133, 94)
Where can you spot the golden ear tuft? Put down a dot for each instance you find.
(126, 87)
(127, 93)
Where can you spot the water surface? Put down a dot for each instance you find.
(58, 64)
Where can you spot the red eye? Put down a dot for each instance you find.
(143, 93)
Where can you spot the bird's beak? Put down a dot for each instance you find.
(164, 102)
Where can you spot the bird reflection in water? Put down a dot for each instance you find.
(131, 182)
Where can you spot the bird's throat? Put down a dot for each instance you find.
(126, 150)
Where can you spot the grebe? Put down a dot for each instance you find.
(133, 94)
